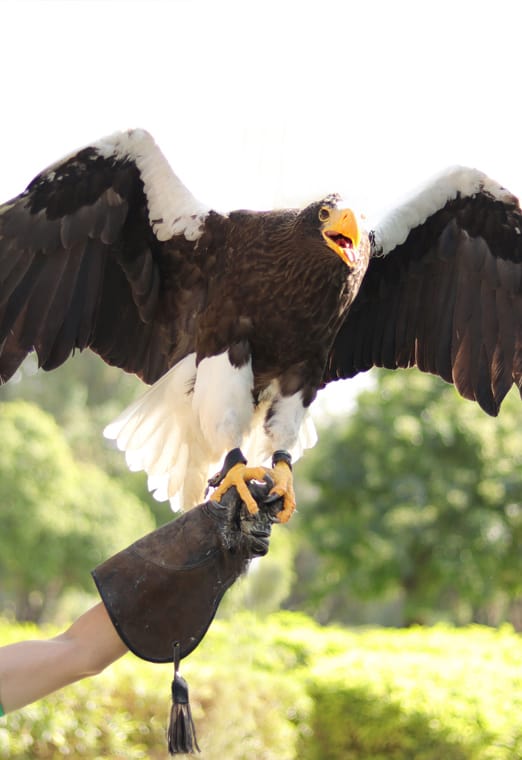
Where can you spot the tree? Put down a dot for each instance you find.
(417, 493)
(83, 395)
(60, 518)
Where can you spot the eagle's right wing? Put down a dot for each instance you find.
(83, 260)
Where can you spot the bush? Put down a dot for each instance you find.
(240, 710)
(284, 688)
(419, 694)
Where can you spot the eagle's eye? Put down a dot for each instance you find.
(324, 213)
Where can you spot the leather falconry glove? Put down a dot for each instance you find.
(163, 591)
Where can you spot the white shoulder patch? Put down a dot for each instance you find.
(173, 210)
(396, 225)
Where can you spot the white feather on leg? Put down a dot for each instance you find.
(179, 431)
(181, 428)
(289, 426)
(223, 401)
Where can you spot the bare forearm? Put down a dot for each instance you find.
(31, 669)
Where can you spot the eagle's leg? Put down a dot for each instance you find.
(283, 484)
(236, 473)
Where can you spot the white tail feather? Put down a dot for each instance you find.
(160, 435)
(166, 432)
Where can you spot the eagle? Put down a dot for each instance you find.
(236, 320)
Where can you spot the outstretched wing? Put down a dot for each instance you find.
(83, 259)
(443, 291)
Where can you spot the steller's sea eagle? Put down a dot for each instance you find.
(236, 320)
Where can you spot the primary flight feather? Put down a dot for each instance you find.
(236, 320)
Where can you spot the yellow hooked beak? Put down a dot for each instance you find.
(342, 234)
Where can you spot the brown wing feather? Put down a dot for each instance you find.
(448, 300)
(81, 267)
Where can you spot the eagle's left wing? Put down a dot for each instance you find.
(443, 291)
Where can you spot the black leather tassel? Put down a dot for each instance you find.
(181, 732)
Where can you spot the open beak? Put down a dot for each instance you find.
(343, 235)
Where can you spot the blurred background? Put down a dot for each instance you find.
(385, 620)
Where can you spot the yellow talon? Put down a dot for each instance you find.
(238, 476)
(284, 486)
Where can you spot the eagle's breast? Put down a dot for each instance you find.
(273, 299)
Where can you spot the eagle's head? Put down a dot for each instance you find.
(338, 227)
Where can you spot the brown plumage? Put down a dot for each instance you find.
(238, 319)
(267, 269)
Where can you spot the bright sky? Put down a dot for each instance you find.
(268, 103)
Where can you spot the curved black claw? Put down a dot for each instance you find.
(273, 498)
(234, 456)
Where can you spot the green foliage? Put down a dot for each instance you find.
(83, 395)
(60, 518)
(240, 711)
(418, 493)
(83, 384)
(284, 688)
(419, 694)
